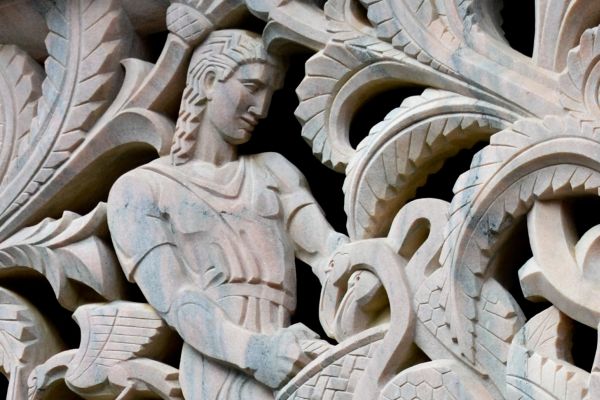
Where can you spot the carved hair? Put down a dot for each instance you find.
(222, 53)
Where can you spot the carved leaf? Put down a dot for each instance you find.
(499, 188)
(412, 26)
(538, 366)
(409, 144)
(26, 340)
(110, 334)
(67, 250)
(20, 89)
(559, 25)
(334, 77)
(579, 82)
(86, 42)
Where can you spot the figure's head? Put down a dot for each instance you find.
(230, 82)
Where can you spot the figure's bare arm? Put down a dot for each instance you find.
(314, 238)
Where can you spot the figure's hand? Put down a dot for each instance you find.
(275, 359)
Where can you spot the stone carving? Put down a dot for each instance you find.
(111, 361)
(200, 210)
(422, 299)
(26, 339)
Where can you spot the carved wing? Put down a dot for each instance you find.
(26, 340)
(110, 334)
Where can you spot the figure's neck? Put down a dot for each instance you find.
(211, 147)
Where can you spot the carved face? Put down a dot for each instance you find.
(236, 105)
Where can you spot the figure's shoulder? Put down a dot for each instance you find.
(281, 168)
(140, 180)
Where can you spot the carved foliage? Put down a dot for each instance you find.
(409, 144)
(86, 42)
(65, 251)
(20, 88)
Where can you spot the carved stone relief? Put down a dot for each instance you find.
(130, 191)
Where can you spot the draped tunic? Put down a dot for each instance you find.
(229, 227)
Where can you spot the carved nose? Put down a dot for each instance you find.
(260, 108)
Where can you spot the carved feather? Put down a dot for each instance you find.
(26, 340)
(324, 108)
(112, 333)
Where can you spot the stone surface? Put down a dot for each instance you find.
(129, 201)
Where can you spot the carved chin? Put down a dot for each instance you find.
(241, 136)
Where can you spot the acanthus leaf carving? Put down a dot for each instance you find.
(85, 43)
(559, 26)
(410, 143)
(21, 87)
(65, 251)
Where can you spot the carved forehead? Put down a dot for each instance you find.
(266, 74)
(224, 51)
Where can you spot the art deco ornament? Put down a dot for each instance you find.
(123, 190)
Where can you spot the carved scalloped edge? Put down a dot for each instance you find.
(327, 72)
(22, 77)
(580, 79)
(499, 188)
(410, 143)
(390, 29)
(83, 75)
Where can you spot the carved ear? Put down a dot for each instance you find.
(208, 83)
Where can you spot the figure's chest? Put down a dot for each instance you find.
(239, 238)
(192, 208)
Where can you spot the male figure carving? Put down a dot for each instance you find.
(210, 237)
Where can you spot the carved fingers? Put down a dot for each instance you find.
(277, 358)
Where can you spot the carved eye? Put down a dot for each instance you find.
(251, 86)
